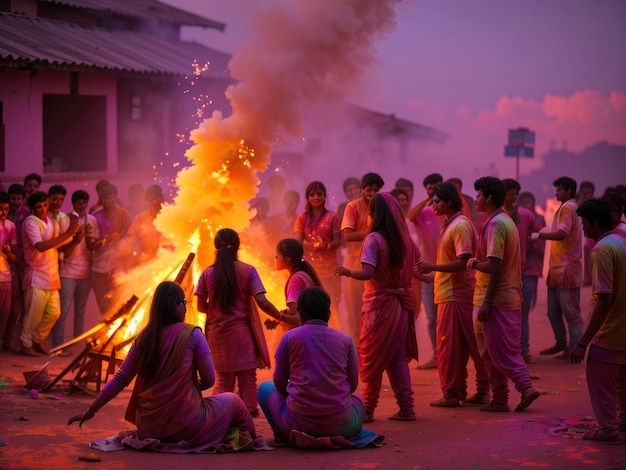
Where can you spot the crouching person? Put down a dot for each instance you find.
(315, 375)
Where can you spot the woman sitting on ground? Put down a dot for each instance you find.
(167, 403)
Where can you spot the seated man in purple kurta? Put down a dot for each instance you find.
(315, 375)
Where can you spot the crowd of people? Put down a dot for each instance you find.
(472, 265)
(51, 260)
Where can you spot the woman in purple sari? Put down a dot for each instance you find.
(167, 403)
(387, 340)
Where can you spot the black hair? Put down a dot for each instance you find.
(36, 198)
(57, 189)
(80, 195)
(433, 178)
(384, 223)
(163, 312)
(371, 179)
(567, 183)
(32, 176)
(312, 186)
(293, 251)
(448, 193)
(596, 210)
(4, 197)
(313, 304)
(510, 183)
(493, 187)
(224, 290)
(17, 188)
(395, 192)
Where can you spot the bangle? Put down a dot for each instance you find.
(488, 301)
(584, 346)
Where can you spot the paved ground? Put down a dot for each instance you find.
(547, 435)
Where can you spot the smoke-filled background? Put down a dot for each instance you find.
(469, 68)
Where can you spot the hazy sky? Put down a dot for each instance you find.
(475, 68)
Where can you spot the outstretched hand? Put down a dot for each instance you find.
(82, 417)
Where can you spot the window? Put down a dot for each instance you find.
(74, 133)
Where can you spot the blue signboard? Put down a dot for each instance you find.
(511, 151)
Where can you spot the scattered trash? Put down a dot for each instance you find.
(34, 394)
(37, 379)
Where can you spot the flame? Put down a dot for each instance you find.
(285, 71)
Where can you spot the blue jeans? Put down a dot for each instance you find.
(76, 290)
(565, 303)
(428, 301)
(529, 290)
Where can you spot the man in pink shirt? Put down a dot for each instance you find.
(498, 299)
(428, 226)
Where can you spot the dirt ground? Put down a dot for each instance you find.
(34, 434)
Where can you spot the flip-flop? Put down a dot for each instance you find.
(495, 406)
(598, 435)
(527, 399)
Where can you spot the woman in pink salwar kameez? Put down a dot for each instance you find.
(387, 340)
(229, 292)
(167, 403)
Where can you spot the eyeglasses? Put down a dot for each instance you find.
(182, 301)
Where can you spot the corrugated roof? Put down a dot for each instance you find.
(27, 41)
(147, 9)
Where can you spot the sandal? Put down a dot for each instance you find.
(446, 402)
(477, 399)
(528, 396)
(408, 415)
(599, 435)
(495, 406)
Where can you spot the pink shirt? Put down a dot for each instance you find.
(316, 230)
(499, 239)
(608, 276)
(566, 256)
(457, 238)
(42, 267)
(526, 226)
(428, 227)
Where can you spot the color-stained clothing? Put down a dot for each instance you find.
(499, 239)
(106, 258)
(172, 408)
(323, 229)
(319, 366)
(236, 337)
(608, 275)
(388, 338)
(457, 238)
(456, 342)
(230, 334)
(8, 236)
(566, 256)
(428, 226)
(42, 267)
(527, 224)
(356, 217)
(606, 359)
